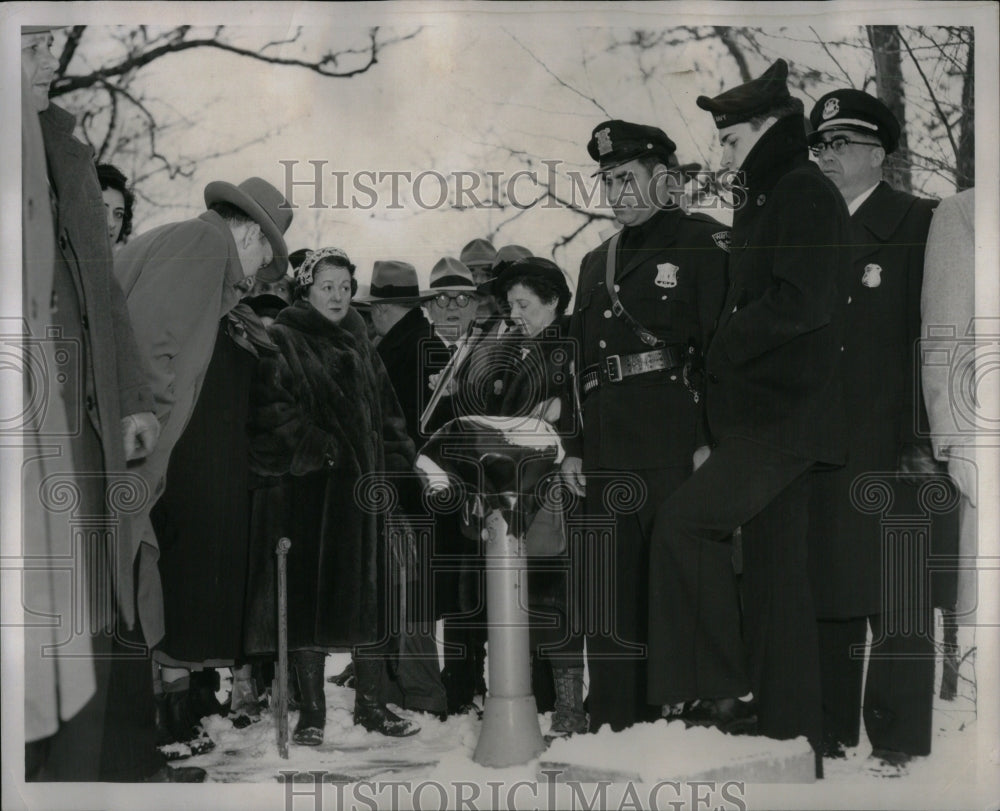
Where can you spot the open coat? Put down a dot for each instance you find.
(325, 424)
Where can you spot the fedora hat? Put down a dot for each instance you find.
(267, 207)
(393, 282)
(450, 276)
(478, 252)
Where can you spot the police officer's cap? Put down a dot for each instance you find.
(739, 104)
(616, 142)
(857, 111)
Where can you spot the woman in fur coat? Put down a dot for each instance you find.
(325, 421)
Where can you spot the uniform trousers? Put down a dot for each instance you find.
(616, 528)
(697, 649)
(899, 691)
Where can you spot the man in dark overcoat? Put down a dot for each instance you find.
(637, 395)
(414, 679)
(775, 409)
(854, 570)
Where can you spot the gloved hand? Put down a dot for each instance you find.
(139, 434)
(918, 461)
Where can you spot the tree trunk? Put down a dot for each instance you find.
(965, 171)
(884, 40)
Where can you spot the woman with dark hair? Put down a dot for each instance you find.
(522, 375)
(325, 423)
(118, 202)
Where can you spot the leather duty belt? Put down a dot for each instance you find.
(617, 367)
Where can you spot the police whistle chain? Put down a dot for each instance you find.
(282, 676)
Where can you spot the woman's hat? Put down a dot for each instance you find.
(533, 266)
(450, 276)
(267, 207)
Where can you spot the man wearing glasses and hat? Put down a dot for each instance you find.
(853, 133)
(775, 410)
(647, 301)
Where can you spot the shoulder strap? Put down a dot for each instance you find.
(617, 307)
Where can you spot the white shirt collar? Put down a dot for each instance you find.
(856, 203)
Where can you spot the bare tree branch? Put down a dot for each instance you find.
(930, 90)
(569, 87)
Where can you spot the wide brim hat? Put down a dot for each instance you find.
(450, 275)
(393, 282)
(267, 207)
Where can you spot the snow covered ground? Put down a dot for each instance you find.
(435, 769)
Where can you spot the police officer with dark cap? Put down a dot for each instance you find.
(775, 410)
(647, 301)
(850, 564)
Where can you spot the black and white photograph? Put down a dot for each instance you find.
(500, 405)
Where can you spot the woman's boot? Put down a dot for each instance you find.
(369, 711)
(568, 717)
(308, 666)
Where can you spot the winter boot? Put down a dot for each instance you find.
(182, 725)
(568, 717)
(244, 701)
(308, 666)
(204, 686)
(369, 711)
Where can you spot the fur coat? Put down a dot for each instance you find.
(325, 424)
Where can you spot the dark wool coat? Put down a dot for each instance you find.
(671, 274)
(324, 417)
(411, 352)
(881, 288)
(774, 363)
(114, 379)
(202, 521)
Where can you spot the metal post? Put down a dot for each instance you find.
(510, 734)
(282, 698)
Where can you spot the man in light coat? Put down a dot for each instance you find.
(179, 280)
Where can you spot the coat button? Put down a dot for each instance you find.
(850, 299)
(62, 242)
(84, 322)
(607, 313)
(602, 343)
(90, 403)
(618, 288)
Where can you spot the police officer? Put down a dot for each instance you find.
(775, 408)
(853, 133)
(646, 303)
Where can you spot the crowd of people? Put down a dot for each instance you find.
(721, 393)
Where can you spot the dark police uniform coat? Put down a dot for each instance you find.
(773, 365)
(671, 274)
(881, 289)
(638, 436)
